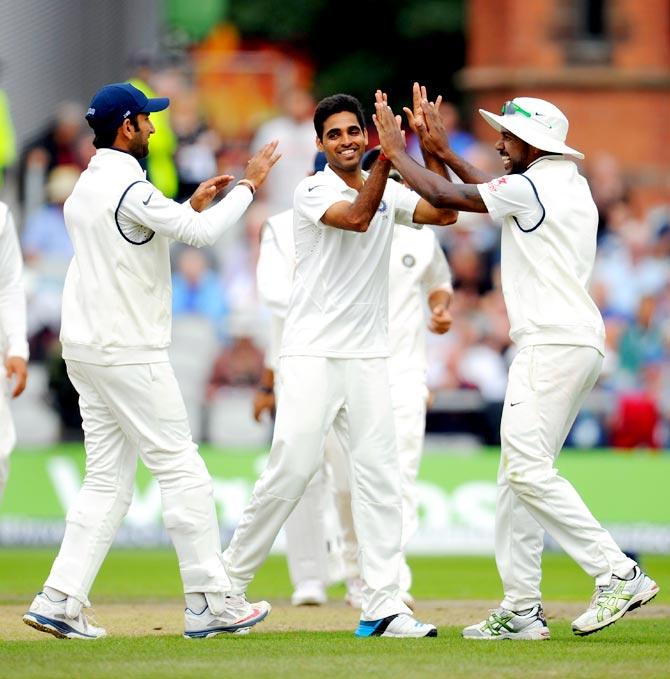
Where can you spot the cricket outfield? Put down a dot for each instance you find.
(136, 597)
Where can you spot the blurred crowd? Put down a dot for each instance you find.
(214, 289)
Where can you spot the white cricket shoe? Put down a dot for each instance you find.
(238, 615)
(49, 616)
(398, 625)
(611, 602)
(354, 595)
(309, 593)
(505, 624)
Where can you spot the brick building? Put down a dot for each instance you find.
(605, 63)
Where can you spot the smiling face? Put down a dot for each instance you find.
(516, 154)
(343, 141)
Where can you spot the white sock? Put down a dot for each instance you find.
(630, 575)
(54, 595)
(196, 601)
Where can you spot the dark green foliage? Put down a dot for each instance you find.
(358, 46)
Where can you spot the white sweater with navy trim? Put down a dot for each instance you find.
(117, 300)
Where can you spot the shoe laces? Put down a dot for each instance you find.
(597, 594)
(90, 616)
(237, 602)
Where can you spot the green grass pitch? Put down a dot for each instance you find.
(636, 647)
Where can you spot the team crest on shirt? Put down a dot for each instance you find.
(408, 261)
(383, 207)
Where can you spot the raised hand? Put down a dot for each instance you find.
(391, 136)
(207, 191)
(415, 114)
(261, 163)
(432, 133)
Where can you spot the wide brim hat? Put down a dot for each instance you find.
(536, 121)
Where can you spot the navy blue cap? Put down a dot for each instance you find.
(112, 104)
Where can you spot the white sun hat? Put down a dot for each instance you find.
(536, 121)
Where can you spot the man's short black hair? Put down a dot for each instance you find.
(336, 104)
(104, 139)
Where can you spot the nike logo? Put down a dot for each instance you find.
(146, 202)
(511, 405)
(311, 188)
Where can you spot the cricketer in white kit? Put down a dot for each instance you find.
(305, 527)
(549, 223)
(13, 341)
(418, 275)
(333, 366)
(116, 325)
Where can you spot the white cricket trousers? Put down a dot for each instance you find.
(132, 410)
(318, 393)
(547, 386)
(409, 396)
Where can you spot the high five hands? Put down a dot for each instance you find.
(423, 118)
(389, 126)
(426, 122)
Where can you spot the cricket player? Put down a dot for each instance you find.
(418, 275)
(549, 223)
(13, 340)
(304, 528)
(333, 366)
(115, 332)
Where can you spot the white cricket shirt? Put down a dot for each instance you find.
(339, 299)
(417, 268)
(549, 223)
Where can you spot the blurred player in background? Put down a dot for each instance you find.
(549, 224)
(115, 333)
(13, 339)
(333, 366)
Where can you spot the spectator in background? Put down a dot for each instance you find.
(160, 165)
(197, 145)
(58, 144)
(44, 235)
(295, 132)
(48, 251)
(642, 341)
(607, 186)
(7, 136)
(241, 363)
(196, 289)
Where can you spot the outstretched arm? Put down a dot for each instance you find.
(433, 136)
(436, 190)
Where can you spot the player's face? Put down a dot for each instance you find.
(139, 145)
(515, 153)
(343, 141)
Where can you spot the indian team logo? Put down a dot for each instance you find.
(408, 261)
(383, 207)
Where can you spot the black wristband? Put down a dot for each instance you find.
(266, 390)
